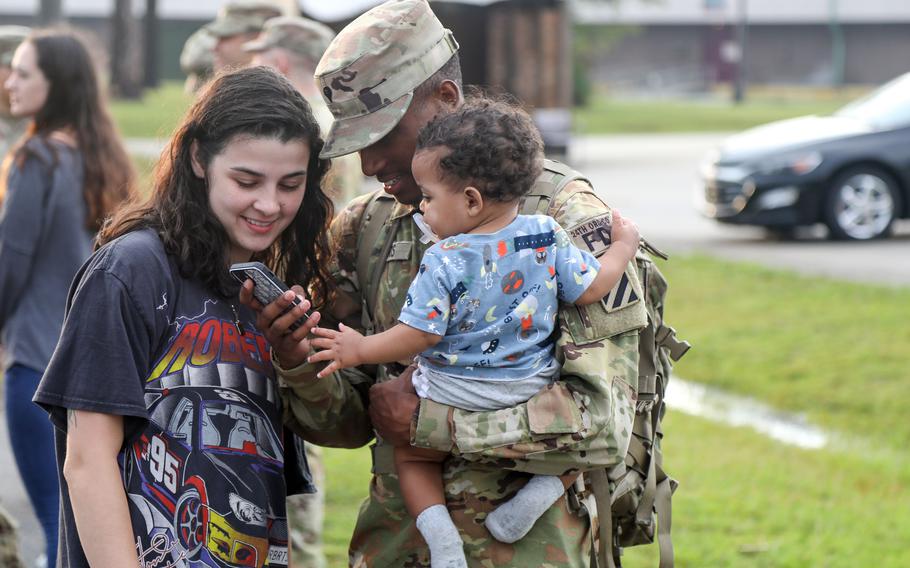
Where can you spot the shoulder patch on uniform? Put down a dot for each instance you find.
(592, 235)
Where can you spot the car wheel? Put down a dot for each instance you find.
(861, 204)
(192, 517)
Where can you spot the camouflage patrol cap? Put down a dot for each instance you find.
(197, 55)
(370, 70)
(10, 38)
(242, 16)
(298, 35)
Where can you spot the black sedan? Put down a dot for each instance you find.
(849, 170)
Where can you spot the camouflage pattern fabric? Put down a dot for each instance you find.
(345, 180)
(569, 426)
(305, 517)
(369, 95)
(9, 548)
(197, 59)
(244, 16)
(301, 36)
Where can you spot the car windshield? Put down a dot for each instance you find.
(233, 427)
(884, 108)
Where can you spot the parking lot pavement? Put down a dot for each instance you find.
(652, 179)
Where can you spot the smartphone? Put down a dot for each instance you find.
(266, 286)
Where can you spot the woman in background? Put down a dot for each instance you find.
(58, 184)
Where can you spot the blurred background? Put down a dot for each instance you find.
(760, 143)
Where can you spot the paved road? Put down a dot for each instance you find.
(650, 178)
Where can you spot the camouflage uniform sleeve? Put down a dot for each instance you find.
(332, 411)
(584, 420)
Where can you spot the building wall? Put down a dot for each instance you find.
(686, 57)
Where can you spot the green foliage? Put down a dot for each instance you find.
(588, 42)
(155, 115)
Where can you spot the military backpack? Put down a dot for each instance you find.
(637, 490)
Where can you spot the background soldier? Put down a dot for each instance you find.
(10, 128)
(197, 59)
(238, 22)
(384, 77)
(293, 46)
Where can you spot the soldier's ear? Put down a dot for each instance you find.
(474, 200)
(449, 93)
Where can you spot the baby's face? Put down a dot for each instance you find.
(444, 205)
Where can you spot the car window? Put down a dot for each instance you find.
(884, 108)
(229, 426)
(181, 423)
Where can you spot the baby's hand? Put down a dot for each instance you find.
(626, 232)
(341, 347)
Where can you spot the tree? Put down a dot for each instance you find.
(125, 62)
(50, 12)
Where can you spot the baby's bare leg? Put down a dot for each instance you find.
(420, 478)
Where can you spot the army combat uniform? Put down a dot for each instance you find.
(571, 425)
(581, 422)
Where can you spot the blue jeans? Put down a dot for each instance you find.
(32, 437)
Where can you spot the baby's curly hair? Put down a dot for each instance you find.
(493, 145)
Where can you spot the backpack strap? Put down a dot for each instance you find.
(375, 216)
(554, 178)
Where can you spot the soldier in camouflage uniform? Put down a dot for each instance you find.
(384, 77)
(9, 549)
(238, 22)
(197, 59)
(292, 46)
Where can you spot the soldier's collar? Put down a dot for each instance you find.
(402, 210)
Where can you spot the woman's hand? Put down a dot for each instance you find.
(275, 321)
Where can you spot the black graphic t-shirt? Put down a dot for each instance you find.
(202, 461)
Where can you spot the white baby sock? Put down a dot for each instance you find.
(512, 520)
(446, 546)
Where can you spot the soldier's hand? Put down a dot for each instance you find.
(341, 348)
(275, 321)
(392, 405)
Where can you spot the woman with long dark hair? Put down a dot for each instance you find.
(62, 179)
(161, 388)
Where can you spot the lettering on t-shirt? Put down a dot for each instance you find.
(213, 340)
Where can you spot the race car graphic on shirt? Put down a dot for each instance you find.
(206, 464)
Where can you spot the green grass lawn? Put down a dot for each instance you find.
(831, 350)
(619, 116)
(155, 115)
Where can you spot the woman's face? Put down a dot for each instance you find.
(256, 186)
(28, 87)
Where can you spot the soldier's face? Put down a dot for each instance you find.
(229, 51)
(389, 159)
